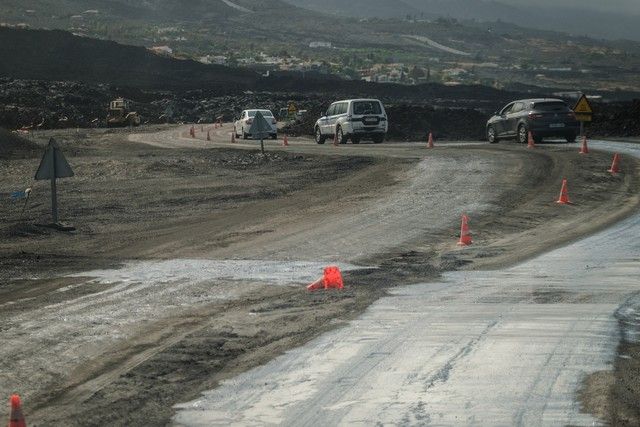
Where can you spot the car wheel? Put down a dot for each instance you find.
(235, 132)
(378, 139)
(320, 138)
(523, 134)
(274, 136)
(355, 140)
(492, 137)
(341, 137)
(571, 138)
(244, 135)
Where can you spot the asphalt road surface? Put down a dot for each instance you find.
(505, 347)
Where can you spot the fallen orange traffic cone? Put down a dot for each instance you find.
(285, 141)
(530, 141)
(318, 284)
(584, 149)
(430, 140)
(233, 137)
(331, 279)
(16, 419)
(208, 135)
(615, 165)
(465, 235)
(564, 194)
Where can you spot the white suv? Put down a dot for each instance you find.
(354, 119)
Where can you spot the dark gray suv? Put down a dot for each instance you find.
(544, 117)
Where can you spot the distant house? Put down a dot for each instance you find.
(454, 72)
(161, 50)
(315, 45)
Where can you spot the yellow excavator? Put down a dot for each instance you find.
(120, 114)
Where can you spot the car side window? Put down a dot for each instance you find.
(331, 110)
(517, 107)
(343, 108)
(506, 109)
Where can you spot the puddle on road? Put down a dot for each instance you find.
(203, 270)
(628, 316)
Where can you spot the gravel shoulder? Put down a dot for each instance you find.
(393, 206)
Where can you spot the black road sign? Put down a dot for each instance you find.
(52, 166)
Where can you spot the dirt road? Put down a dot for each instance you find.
(190, 257)
(503, 347)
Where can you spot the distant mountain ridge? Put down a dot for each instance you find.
(612, 24)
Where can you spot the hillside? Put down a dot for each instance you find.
(44, 11)
(360, 9)
(58, 55)
(271, 35)
(577, 19)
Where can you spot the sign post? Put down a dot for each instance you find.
(52, 166)
(583, 112)
(260, 128)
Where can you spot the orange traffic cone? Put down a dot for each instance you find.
(530, 141)
(430, 140)
(16, 419)
(465, 236)
(233, 137)
(564, 194)
(285, 141)
(192, 132)
(331, 279)
(615, 165)
(584, 149)
(318, 284)
(208, 135)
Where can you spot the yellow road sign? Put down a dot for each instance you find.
(583, 106)
(292, 108)
(584, 117)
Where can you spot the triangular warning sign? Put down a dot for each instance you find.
(260, 128)
(583, 106)
(53, 163)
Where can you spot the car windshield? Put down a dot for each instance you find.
(265, 113)
(550, 106)
(366, 107)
